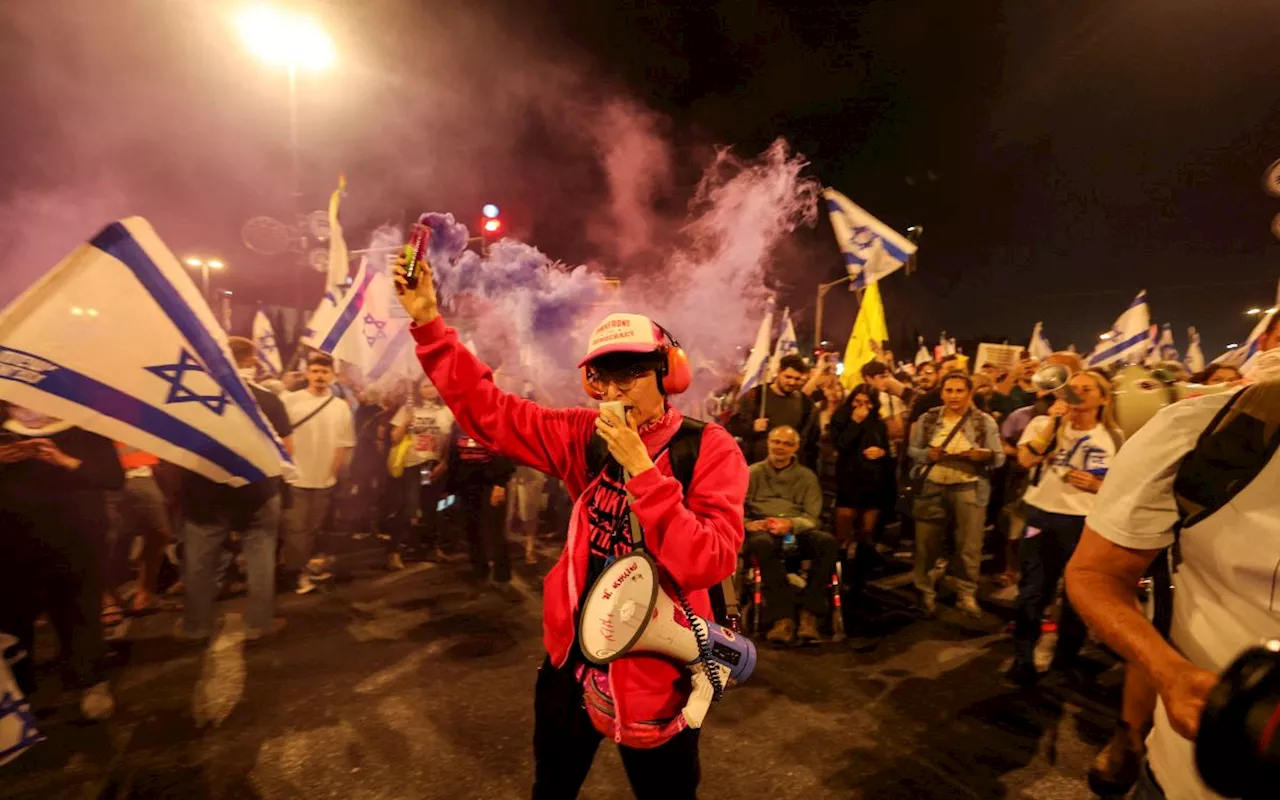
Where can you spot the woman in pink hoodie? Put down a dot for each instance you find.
(695, 536)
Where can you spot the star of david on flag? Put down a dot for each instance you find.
(117, 339)
(174, 374)
(871, 249)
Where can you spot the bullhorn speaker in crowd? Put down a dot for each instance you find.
(1141, 391)
(627, 611)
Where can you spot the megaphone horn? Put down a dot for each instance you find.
(1051, 377)
(627, 611)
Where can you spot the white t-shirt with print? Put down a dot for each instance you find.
(319, 438)
(1225, 596)
(428, 428)
(1090, 451)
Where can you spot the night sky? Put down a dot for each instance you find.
(1060, 156)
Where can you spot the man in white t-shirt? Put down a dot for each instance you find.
(428, 422)
(1224, 585)
(323, 436)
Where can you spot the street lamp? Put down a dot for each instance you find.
(1253, 312)
(823, 288)
(204, 265)
(289, 39)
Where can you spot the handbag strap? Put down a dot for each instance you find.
(924, 476)
(308, 417)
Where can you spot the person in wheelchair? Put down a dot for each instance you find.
(783, 505)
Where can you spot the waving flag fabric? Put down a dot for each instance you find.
(1195, 356)
(786, 344)
(1039, 346)
(361, 329)
(264, 338)
(1130, 337)
(758, 360)
(871, 249)
(118, 340)
(867, 337)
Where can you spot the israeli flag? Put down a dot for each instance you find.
(1129, 339)
(264, 338)
(1242, 357)
(1164, 349)
(361, 329)
(923, 356)
(871, 249)
(787, 342)
(1039, 346)
(117, 339)
(1195, 356)
(758, 360)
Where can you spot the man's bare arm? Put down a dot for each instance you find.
(1102, 579)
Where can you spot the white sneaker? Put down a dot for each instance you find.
(304, 584)
(97, 703)
(969, 605)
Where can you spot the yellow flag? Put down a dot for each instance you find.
(865, 341)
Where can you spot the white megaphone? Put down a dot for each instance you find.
(626, 611)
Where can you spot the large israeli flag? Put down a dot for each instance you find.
(758, 360)
(1129, 339)
(1039, 346)
(264, 339)
(361, 328)
(117, 339)
(871, 249)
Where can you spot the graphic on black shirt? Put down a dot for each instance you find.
(608, 520)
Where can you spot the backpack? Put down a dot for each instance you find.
(682, 454)
(1229, 454)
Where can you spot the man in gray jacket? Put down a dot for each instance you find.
(784, 503)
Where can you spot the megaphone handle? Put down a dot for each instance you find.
(695, 711)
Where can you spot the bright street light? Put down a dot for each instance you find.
(1104, 336)
(1253, 312)
(1232, 346)
(285, 38)
(293, 40)
(204, 265)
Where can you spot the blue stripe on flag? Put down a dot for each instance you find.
(1119, 347)
(390, 354)
(895, 252)
(344, 320)
(116, 241)
(109, 401)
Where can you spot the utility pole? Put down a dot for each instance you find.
(823, 288)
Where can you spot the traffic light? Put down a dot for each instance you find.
(491, 228)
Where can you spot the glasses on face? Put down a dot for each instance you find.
(599, 381)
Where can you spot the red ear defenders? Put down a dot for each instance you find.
(674, 373)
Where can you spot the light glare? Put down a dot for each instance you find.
(490, 211)
(285, 38)
(194, 262)
(215, 263)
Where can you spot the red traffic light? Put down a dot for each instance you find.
(492, 225)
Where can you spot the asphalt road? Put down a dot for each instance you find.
(411, 685)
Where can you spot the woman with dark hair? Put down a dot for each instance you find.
(1215, 374)
(864, 470)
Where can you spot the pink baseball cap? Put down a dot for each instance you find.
(623, 333)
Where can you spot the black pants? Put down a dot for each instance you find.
(415, 495)
(486, 532)
(778, 594)
(1043, 557)
(565, 743)
(45, 568)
